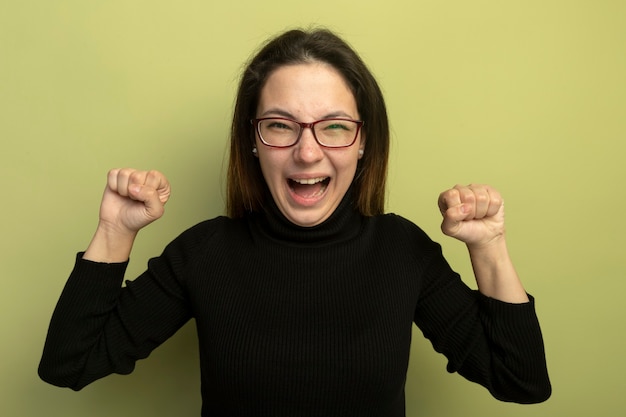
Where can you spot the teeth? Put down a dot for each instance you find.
(309, 181)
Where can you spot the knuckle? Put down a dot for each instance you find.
(153, 173)
(468, 196)
(125, 171)
(453, 192)
(112, 176)
(481, 198)
(136, 177)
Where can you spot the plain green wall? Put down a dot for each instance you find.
(529, 96)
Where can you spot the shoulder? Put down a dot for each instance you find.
(206, 233)
(210, 227)
(391, 223)
(400, 233)
(209, 239)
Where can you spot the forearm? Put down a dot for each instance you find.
(110, 245)
(495, 274)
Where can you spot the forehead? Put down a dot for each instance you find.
(306, 89)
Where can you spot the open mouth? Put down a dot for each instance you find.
(308, 187)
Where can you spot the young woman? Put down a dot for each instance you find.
(305, 295)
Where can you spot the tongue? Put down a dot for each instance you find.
(306, 190)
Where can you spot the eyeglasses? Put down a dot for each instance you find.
(280, 132)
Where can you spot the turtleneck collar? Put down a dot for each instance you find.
(343, 224)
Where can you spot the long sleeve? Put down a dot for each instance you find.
(516, 349)
(99, 327)
(496, 344)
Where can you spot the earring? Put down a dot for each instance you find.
(361, 152)
(254, 151)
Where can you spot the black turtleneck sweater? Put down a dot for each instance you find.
(296, 321)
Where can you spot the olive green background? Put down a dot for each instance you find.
(529, 96)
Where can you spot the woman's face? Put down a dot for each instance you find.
(307, 181)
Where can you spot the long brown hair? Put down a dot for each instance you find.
(246, 189)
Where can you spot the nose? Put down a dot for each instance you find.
(307, 150)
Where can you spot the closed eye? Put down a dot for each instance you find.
(278, 125)
(338, 125)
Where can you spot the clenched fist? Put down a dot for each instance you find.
(474, 214)
(133, 199)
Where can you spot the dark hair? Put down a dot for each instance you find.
(246, 188)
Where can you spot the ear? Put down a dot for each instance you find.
(361, 146)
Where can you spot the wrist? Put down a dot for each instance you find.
(494, 272)
(494, 249)
(110, 244)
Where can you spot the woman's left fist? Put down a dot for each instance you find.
(473, 214)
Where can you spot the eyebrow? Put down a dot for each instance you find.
(283, 113)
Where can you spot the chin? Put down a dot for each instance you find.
(307, 218)
(306, 221)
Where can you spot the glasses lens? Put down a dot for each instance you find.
(279, 132)
(336, 132)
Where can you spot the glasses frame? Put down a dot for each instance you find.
(257, 124)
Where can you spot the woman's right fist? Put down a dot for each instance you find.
(133, 199)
